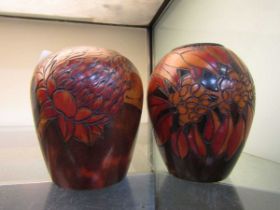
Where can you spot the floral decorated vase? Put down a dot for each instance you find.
(201, 100)
(87, 105)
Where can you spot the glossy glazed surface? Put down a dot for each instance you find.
(201, 101)
(87, 106)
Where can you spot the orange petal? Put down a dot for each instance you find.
(66, 128)
(83, 113)
(82, 134)
(42, 95)
(65, 102)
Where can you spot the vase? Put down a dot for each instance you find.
(201, 102)
(87, 105)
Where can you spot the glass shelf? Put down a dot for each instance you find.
(253, 184)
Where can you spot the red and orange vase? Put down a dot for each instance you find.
(87, 106)
(201, 101)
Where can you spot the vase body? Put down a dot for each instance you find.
(87, 106)
(201, 102)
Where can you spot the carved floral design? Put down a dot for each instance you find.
(82, 90)
(201, 101)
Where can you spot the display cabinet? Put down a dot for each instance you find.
(143, 31)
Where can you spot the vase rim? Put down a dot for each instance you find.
(199, 44)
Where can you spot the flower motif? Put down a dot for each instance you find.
(82, 92)
(184, 104)
(201, 102)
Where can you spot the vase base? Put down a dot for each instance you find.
(199, 179)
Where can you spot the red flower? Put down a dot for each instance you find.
(200, 102)
(81, 91)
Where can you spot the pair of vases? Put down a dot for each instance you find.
(87, 106)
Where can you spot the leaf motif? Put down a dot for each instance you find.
(182, 144)
(156, 101)
(198, 141)
(179, 143)
(209, 128)
(51, 85)
(66, 128)
(191, 141)
(221, 138)
(236, 138)
(229, 132)
(163, 127)
(157, 106)
(211, 125)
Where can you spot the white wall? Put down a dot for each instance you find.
(21, 42)
(251, 28)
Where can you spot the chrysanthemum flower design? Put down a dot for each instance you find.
(203, 104)
(82, 91)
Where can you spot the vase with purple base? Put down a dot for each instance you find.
(201, 101)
